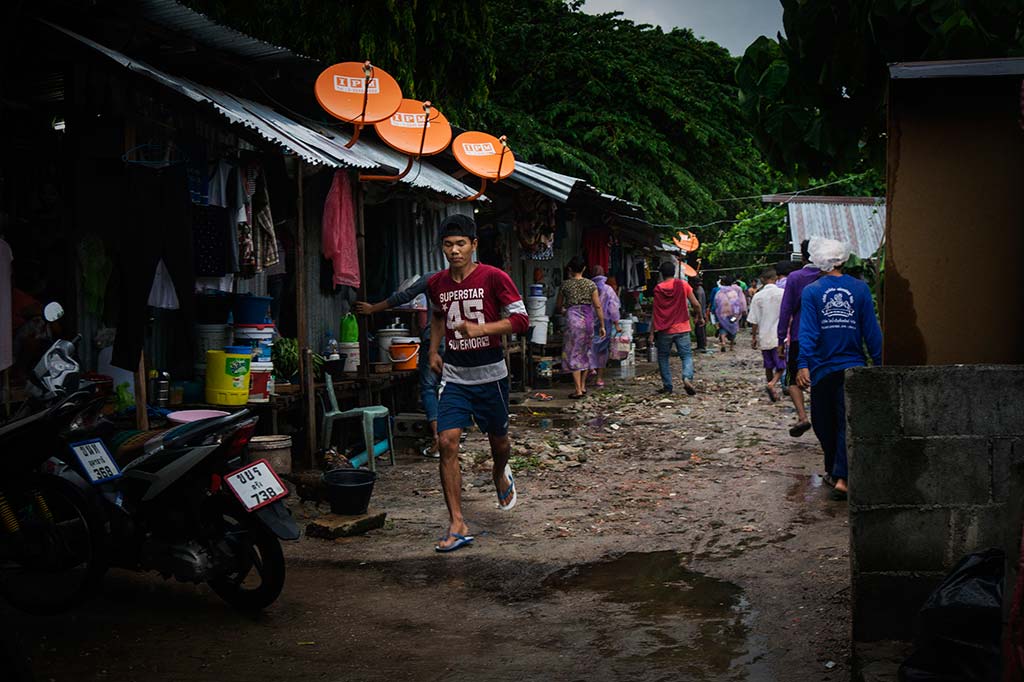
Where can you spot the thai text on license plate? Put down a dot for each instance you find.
(96, 460)
(256, 485)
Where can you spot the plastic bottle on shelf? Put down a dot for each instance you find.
(332, 351)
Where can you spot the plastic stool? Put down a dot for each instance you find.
(368, 414)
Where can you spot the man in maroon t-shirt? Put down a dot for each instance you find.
(474, 306)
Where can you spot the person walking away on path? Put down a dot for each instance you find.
(473, 305)
(610, 309)
(671, 326)
(837, 320)
(730, 305)
(701, 332)
(789, 335)
(764, 317)
(428, 379)
(579, 299)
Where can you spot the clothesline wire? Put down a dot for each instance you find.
(781, 204)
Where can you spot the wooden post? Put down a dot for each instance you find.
(364, 345)
(310, 384)
(301, 318)
(141, 411)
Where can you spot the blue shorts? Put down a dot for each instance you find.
(462, 404)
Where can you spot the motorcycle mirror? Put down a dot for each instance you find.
(53, 311)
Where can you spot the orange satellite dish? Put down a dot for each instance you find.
(416, 129)
(358, 93)
(686, 241)
(688, 270)
(485, 156)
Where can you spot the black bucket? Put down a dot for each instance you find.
(349, 490)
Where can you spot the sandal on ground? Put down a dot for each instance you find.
(504, 501)
(688, 387)
(460, 541)
(430, 451)
(772, 394)
(576, 396)
(837, 495)
(600, 383)
(542, 397)
(828, 480)
(800, 429)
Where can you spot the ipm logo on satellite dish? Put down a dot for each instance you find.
(404, 120)
(478, 148)
(353, 85)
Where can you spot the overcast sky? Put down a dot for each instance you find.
(733, 24)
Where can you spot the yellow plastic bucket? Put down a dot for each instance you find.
(227, 378)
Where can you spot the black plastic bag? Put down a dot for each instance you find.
(958, 629)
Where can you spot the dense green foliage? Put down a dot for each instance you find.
(816, 97)
(438, 50)
(646, 115)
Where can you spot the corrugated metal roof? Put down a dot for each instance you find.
(547, 182)
(313, 143)
(423, 174)
(963, 68)
(861, 225)
(202, 29)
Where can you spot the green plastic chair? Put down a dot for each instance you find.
(368, 414)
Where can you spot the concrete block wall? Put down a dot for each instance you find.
(936, 471)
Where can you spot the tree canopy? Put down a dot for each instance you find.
(816, 96)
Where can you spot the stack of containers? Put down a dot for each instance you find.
(537, 308)
(254, 331)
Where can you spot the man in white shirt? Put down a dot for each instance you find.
(764, 316)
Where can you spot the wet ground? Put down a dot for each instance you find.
(655, 539)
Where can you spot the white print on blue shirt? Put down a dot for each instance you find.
(837, 311)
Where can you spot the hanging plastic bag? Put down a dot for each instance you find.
(958, 629)
(620, 347)
(349, 329)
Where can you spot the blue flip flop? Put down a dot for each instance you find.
(460, 541)
(504, 503)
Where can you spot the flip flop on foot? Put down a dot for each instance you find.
(688, 387)
(509, 499)
(772, 395)
(460, 541)
(800, 429)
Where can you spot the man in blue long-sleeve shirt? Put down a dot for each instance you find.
(837, 319)
(429, 380)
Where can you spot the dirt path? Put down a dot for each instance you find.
(678, 539)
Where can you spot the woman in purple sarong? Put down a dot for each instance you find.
(578, 298)
(730, 305)
(610, 307)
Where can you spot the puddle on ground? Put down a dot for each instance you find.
(698, 626)
(811, 489)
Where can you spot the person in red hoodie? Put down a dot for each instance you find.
(671, 326)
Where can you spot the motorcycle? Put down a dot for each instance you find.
(189, 507)
(52, 537)
(186, 505)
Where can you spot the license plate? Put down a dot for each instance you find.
(96, 461)
(256, 485)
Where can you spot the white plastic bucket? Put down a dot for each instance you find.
(258, 336)
(540, 330)
(536, 290)
(385, 337)
(536, 306)
(349, 352)
(211, 337)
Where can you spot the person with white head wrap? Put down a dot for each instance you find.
(828, 254)
(837, 320)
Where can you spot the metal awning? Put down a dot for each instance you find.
(858, 221)
(315, 144)
(577, 193)
(961, 68)
(176, 17)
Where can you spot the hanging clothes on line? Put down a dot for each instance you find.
(339, 232)
(595, 245)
